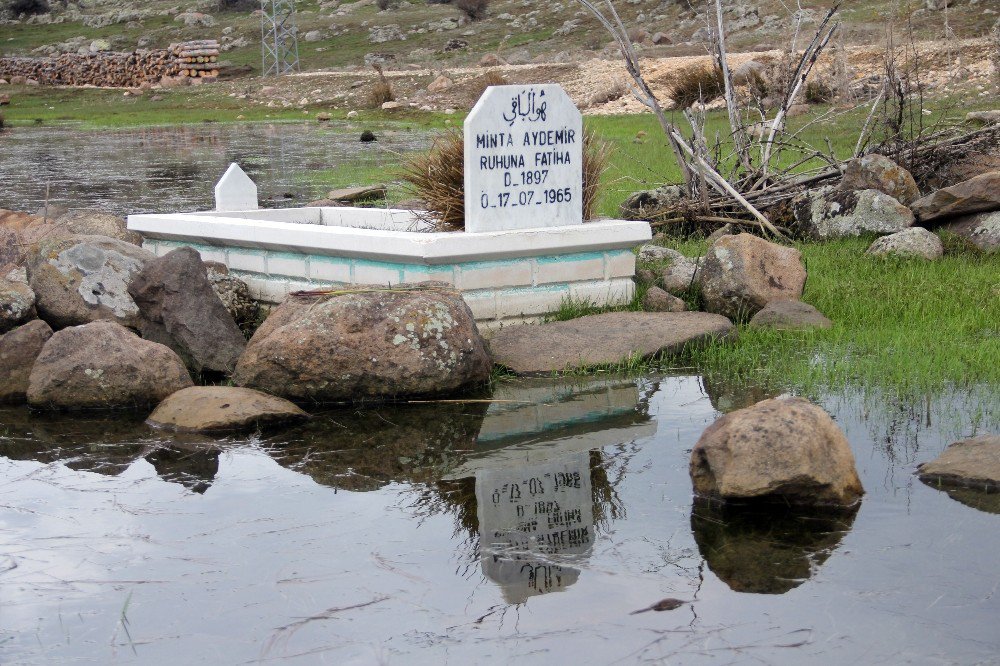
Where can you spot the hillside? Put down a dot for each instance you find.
(339, 35)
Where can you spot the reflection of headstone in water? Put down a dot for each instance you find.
(530, 518)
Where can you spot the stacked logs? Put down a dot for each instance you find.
(112, 69)
(198, 58)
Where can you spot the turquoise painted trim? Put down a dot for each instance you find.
(563, 258)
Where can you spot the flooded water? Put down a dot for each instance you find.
(174, 169)
(397, 534)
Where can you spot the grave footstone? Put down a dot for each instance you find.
(235, 190)
(523, 159)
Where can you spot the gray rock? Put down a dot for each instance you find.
(830, 212)
(786, 449)
(234, 294)
(658, 300)
(80, 279)
(179, 308)
(641, 205)
(313, 36)
(353, 194)
(17, 304)
(98, 223)
(602, 339)
(982, 230)
(18, 350)
(741, 274)
(976, 195)
(877, 172)
(653, 252)
(789, 316)
(103, 365)
(983, 117)
(223, 409)
(678, 277)
(914, 242)
(972, 463)
(364, 345)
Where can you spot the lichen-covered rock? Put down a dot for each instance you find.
(786, 449)
(789, 316)
(223, 409)
(234, 294)
(367, 344)
(103, 365)
(976, 195)
(18, 350)
(981, 229)
(98, 223)
(679, 272)
(878, 172)
(17, 304)
(829, 212)
(80, 279)
(180, 309)
(741, 274)
(658, 300)
(641, 205)
(913, 242)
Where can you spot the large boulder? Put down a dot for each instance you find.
(830, 212)
(972, 463)
(913, 242)
(367, 344)
(18, 350)
(80, 279)
(602, 339)
(17, 304)
(98, 223)
(976, 195)
(981, 229)
(878, 172)
(103, 365)
(789, 316)
(180, 309)
(785, 449)
(223, 409)
(741, 274)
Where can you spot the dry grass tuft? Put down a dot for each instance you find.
(438, 179)
(381, 92)
(492, 77)
(696, 84)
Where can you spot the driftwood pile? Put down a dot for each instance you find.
(113, 69)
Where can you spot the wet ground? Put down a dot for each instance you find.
(174, 169)
(398, 534)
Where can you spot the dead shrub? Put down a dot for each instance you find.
(437, 178)
(480, 84)
(237, 5)
(27, 7)
(818, 92)
(381, 92)
(696, 84)
(474, 9)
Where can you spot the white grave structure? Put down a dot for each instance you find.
(523, 159)
(513, 263)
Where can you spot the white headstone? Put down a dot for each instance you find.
(523, 159)
(235, 190)
(528, 514)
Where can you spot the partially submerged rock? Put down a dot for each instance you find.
(830, 212)
(913, 242)
(970, 463)
(223, 408)
(103, 365)
(17, 304)
(785, 449)
(179, 308)
(877, 172)
(789, 316)
(741, 274)
(18, 350)
(602, 339)
(80, 279)
(367, 344)
(976, 195)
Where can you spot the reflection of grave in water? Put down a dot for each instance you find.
(540, 485)
(987, 500)
(193, 467)
(766, 549)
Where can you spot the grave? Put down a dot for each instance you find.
(525, 250)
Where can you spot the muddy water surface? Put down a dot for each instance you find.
(400, 534)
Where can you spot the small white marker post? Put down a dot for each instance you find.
(523, 159)
(235, 190)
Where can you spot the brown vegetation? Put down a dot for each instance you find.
(381, 92)
(474, 9)
(696, 84)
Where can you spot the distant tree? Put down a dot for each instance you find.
(238, 5)
(474, 9)
(18, 7)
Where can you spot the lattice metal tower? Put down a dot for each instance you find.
(279, 41)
